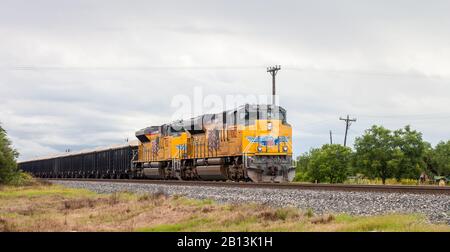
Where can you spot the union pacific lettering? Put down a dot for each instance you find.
(268, 140)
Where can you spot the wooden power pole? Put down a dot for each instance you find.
(273, 71)
(348, 122)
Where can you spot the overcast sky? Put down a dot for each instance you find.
(78, 74)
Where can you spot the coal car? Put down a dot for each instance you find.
(105, 162)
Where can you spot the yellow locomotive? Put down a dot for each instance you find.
(249, 143)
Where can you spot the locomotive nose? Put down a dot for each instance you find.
(270, 169)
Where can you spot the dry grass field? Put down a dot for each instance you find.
(55, 208)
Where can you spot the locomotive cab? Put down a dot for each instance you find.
(267, 144)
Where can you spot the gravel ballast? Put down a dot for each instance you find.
(435, 206)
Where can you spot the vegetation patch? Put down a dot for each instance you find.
(56, 208)
(389, 223)
(379, 156)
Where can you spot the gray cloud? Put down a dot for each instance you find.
(77, 74)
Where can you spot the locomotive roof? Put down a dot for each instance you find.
(201, 117)
(133, 143)
(140, 134)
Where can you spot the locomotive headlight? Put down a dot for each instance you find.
(259, 148)
(269, 126)
(285, 148)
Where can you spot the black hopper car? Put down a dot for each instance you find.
(108, 162)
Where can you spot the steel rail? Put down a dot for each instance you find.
(430, 189)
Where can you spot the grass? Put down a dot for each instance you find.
(300, 178)
(186, 225)
(378, 181)
(41, 191)
(390, 223)
(56, 208)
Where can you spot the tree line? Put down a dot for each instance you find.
(9, 172)
(378, 153)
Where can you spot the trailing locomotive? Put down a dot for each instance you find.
(250, 143)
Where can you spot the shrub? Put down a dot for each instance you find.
(330, 163)
(9, 172)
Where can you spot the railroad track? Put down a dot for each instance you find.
(296, 186)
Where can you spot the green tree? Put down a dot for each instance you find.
(440, 159)
(8, 155)
(428, 158)
(376, 153)
(413, 149)
(330, 163)
(301, 168)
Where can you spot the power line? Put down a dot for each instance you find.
(222, 67)
(124, 68)
(348, 122)
(370, 73)
(415, 116)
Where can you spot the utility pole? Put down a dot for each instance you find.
(331, 137)
(273, 71)
(348, 122)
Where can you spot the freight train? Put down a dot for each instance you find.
(249, 143)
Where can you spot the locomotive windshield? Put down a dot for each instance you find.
(270, 112)
(247, 114)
